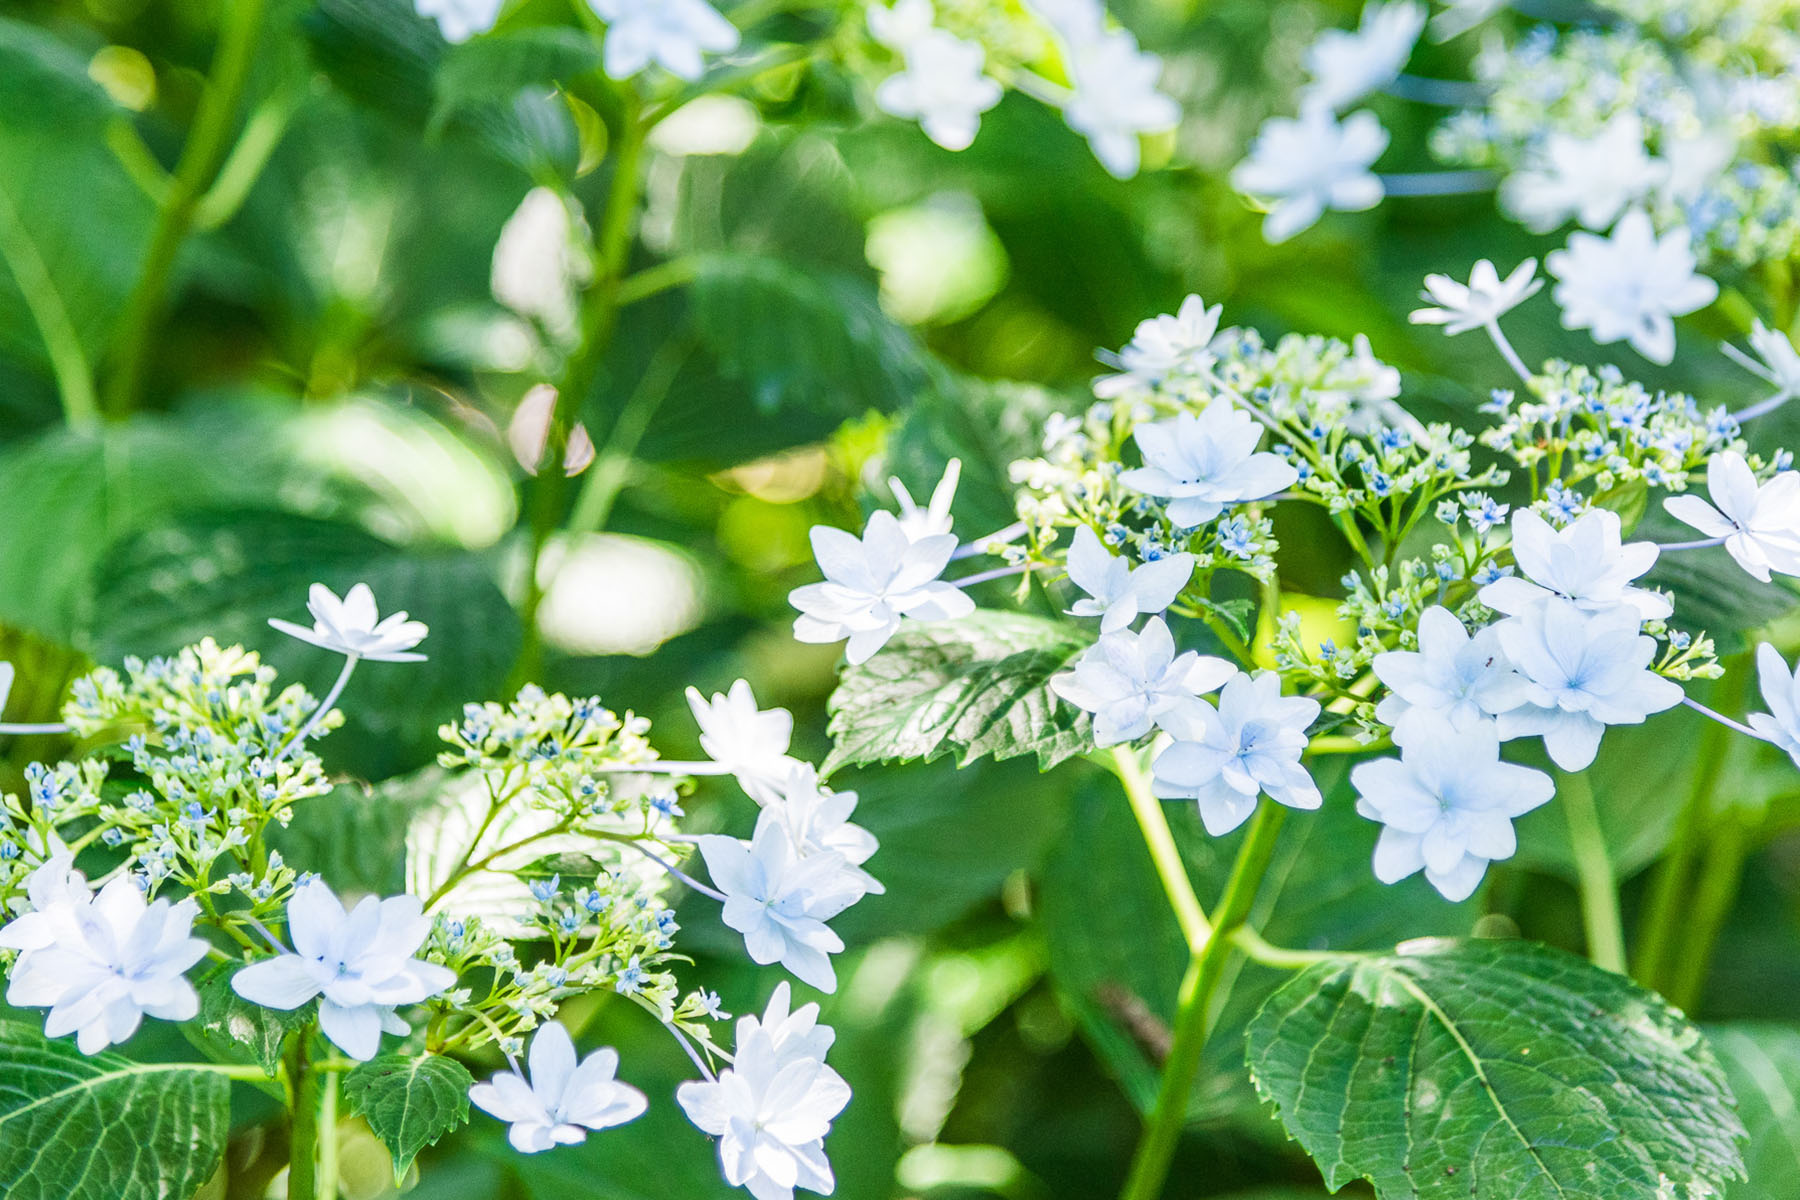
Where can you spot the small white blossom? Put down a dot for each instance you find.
(1460, 307)
(1117, 592)
(1630, 286)
(1203, 463)
(6, 683)
(541, 263)
(1308, 164)
(1447, 805)
(1454, 678)
(460, 20)
(900, 26)
(942, 88)
(1591, 179)
(354, 628)
(1131, 681)
(674, 33)
(873, 582)
(750, 743)
(1075, 21)
(817, 820)
(1347, 65)
(1585, 563)
(773, 1107)
(934, 518)
(1165, 346)
(563, 1099)
(1115, 99)
(101, 963)
(1586, 670)
(1249, 746)
(359, 963)
(1781, 692)
(780, 900)
(1776, 360)
(1760, 523)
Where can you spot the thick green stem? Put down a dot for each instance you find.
(325, 1187)
(194, 174)
(68, 360)
(1160, 839)
(1194, 1003)
(1713, 897)
(1594, 869)
(303, 1141)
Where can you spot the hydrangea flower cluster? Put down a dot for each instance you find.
(542, 871)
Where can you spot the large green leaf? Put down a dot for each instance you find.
(495, 68)
(101, 1127)
(224, 574)
(410, 1101)
(1494, 1069)
(1762, 1062)
(976, 687)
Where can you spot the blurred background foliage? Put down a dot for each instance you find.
(329, 396)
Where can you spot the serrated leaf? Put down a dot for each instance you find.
(1501, 1070)
(805, 336)
(101, 1127)
(409, 1101)
(976, 687)
(229, 1029)
(1762, 1063)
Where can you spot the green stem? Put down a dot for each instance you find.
(612, 466)
(194, 173)
(1594, 870)
(326, 1186)
(1150, 1165)
(68, 360)
(1164, 853)
(1713, 897)
(303, 1141)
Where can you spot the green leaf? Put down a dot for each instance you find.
(409, 1101)
(1502, 1069)
(975, 687)
(797, 336)
(1762, 1063)
(497, 67)
(229, 1029)
(101, 1127)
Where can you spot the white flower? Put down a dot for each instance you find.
(1131, 681)
(1075, 21)
(1776, 359)
(1591, 179)
(934, 518)
(1308, 164)
(1346, 66)
(780, 900)
(541, 263)
(562, 1100)
(1630, 286)
(749, 742)
(6, 683)
(1479, 303)
(1760, 524)
(1448, 805)
(460, 20)
(360, 963)
(1117, 592)
(350, 626)
(1249, 746)
(1452, 677)
(900, 26)
(1584, 563)
(942, 88)
(1694, 164)
(1115, 99)
(671, 32)
(1202, 464)
(872, 582)
(1781, 692)
(1586, 670)
(1165, 346)
(101, 963)
(772, 1108)
(816, 820)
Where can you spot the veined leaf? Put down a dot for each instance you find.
(1502, 1070)
(101, 1127)
(229, 1029)
(1763, 1064)
(977, 687)
(410, 1101)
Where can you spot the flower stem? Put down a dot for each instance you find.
(996, 573)
(1594, 870)
(1164, 853)
(337, 689)
(1445, 93)
(1722, 719)
(326, 1186)
(1438, 183)
(1714, 895)
(1505, 347)
(62, 344)
(1150, 1165)
(194, 173)
(303, 1139)
(1696, 544)
(15, 728)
